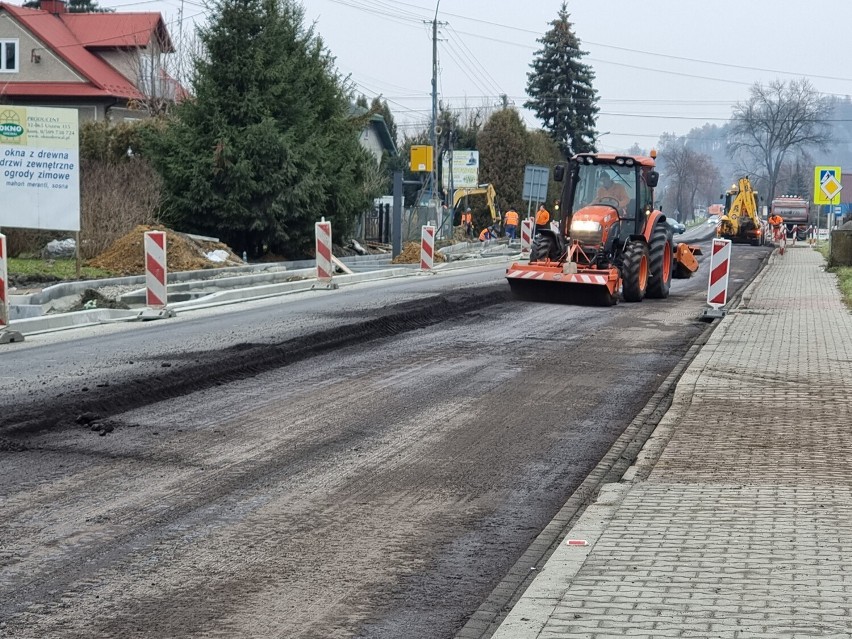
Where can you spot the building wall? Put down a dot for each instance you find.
(88, 112)
(50, 67)
(370, 140)
(125, 62)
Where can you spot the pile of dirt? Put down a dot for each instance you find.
(126, 256)
(411, 255)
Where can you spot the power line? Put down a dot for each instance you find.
(642, 52)
(457, 59)
(483, 70)
(392, 17)
(392, 9)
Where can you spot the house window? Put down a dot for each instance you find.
(9, 56)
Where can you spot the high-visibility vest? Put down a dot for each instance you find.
(542, 217)
(511, 218)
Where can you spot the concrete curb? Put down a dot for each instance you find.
(79, 319)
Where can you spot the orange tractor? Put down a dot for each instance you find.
(611, 238)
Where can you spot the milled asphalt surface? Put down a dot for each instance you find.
(735, 519)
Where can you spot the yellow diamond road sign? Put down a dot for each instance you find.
(827, 184)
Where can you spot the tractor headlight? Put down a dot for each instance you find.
(585, 226)
(587, 231)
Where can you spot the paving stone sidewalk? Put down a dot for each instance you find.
(736, 520)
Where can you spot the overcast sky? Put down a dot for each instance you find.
(661, 66)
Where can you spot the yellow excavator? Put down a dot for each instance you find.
(741, 221)
(483, 189)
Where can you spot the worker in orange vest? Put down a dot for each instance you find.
(467, 223)
(488, 233)
(511, 223)
(542, 216)
(775, 223)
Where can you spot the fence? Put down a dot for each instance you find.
(377, 224)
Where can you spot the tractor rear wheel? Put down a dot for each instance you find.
(543, 246)
(660, 261)
(635, 270)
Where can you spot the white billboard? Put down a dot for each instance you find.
(465, 169)
(39, 168)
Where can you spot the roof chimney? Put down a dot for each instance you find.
(53, 6)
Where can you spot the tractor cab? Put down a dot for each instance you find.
(621, 184)
(606, 200)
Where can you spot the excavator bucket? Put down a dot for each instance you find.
(563, 283)
(685, 263)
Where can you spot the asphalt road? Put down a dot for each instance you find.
(368, 462)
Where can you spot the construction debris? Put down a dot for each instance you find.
(411, 255)
(126, 256)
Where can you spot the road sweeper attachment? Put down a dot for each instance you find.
(611, 239)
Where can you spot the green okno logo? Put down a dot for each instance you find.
(11, 130)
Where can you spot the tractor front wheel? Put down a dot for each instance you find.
(635, 271)
(660, 257)
(543, 247)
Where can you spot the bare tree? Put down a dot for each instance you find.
(778, 119)
(705, 182)
(689, 174)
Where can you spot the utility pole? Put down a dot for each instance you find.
(434, 129)
(181, 51)
(451, 189)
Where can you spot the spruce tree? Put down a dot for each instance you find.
(560, 88)
(265, 147)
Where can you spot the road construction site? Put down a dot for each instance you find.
(370, 461)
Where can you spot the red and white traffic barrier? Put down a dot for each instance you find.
(325, 268)
(526, 235)
(720, 267)
(427, 248)
(6, 335)
(156, 271)
(4, 301)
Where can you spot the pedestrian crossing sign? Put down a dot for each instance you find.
(827, 184)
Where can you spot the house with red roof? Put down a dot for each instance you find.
(109, 66)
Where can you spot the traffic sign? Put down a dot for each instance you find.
(827, 184)
(536, 179)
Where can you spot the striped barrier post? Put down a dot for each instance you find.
(6, 335)
(156, 272)
(325, 267)
(427, 248)
(526, 235)
(717, 283)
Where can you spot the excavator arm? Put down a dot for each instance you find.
(485, 189)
